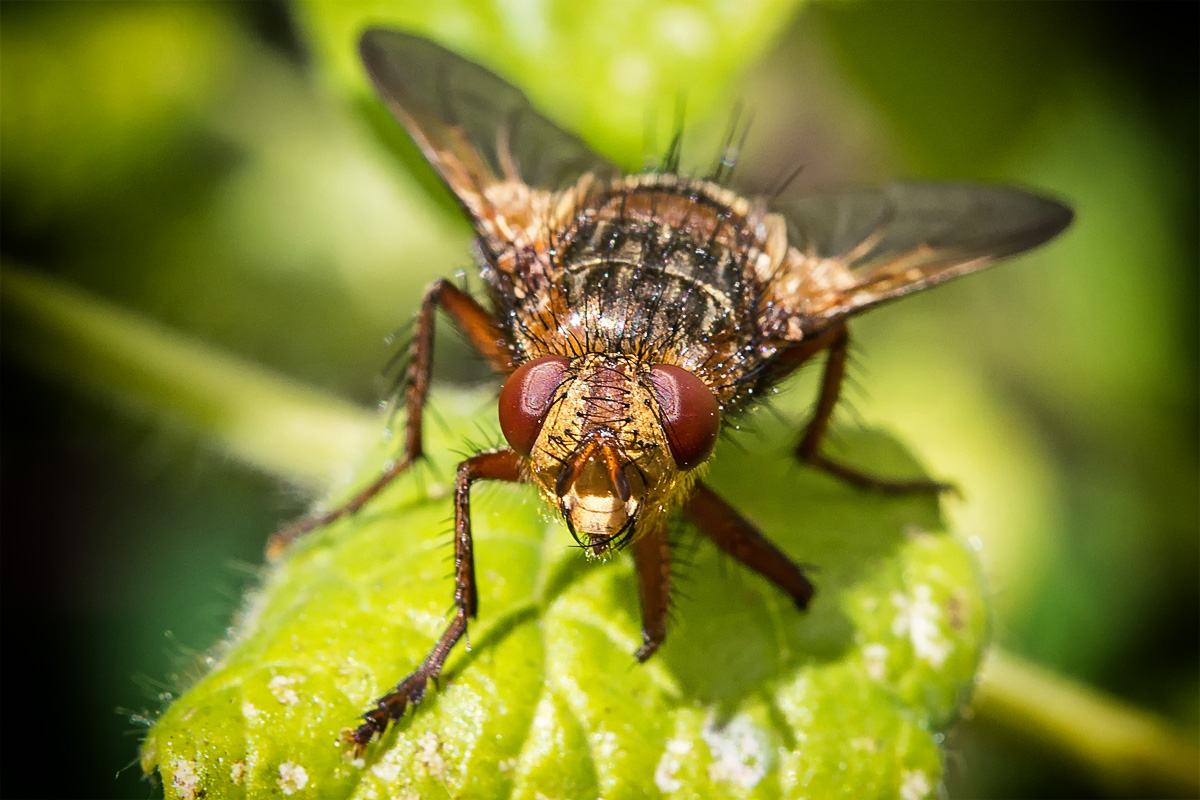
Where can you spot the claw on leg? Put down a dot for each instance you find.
(652, 557)
(885, 485)
(409, 692)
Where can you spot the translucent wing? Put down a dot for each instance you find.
(478, 131)
(855, 250)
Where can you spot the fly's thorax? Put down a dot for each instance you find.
(655, 266)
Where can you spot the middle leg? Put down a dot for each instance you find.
(734, 534)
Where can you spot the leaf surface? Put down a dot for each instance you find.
(748, 697)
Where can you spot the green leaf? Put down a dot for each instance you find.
(748, 697)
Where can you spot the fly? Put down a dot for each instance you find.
(632, 315)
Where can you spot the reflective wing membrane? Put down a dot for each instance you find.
(477, 130)
(855, 250)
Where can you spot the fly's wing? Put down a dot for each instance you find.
(494, 151)
(852, 251)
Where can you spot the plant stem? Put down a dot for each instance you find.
(1126, 749)
(259, 418)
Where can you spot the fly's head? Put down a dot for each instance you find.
(612, 443)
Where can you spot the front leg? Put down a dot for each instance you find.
(502, 465)
(484, 334)
(809, 449)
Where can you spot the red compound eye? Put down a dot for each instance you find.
(526, 397)
(690, 412)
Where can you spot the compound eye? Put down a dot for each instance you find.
(525, 400)
(690, 414)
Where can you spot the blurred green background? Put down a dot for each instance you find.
(208, 167)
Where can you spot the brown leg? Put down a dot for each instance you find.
(481, 331)
(809, 449)
(502, 465)
(652, 557)
(733, 534)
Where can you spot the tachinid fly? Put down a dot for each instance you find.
(632, 315)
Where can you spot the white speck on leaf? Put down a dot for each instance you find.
(685, 29)
(237, 772)
(914, 785)
(184, 779)
(917, 617)
(740, 750)
(669, 764)
(631, 72)
(388, 768)
(281, 687)
(605, 744)
(864, 744)
(875, 658)
(429, 754)
(292, 777)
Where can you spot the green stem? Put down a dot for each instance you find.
(259, 418)
(1126, 749)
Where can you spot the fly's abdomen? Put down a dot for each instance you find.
(652, 266)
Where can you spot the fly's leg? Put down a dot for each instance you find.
(502, 465)
(735, 535)
(652, 558)
(484, 334)
(809, 449)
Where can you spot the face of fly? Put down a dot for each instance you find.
(612, 443)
